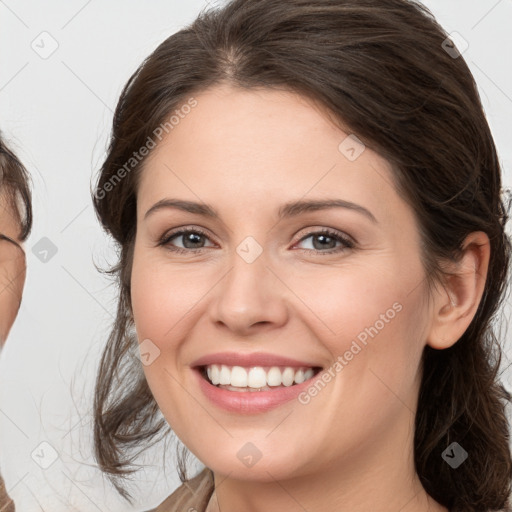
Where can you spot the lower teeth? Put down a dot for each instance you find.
(248, 389)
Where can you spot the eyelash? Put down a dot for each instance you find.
(167, 237)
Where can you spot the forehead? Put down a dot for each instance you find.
(262, 146)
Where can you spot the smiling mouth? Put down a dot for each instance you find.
(259, 378)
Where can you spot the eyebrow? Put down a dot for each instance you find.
(287, 210)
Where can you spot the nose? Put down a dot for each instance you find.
(250, 297)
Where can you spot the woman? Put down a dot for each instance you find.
(306, 198)
(15, 226)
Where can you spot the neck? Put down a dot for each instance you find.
(381, 478)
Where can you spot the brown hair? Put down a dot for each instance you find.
(14, 183)
(382, 69)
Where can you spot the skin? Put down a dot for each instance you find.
(12, 268)
(351, 447)
(12, 280)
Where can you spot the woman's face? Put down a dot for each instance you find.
(12, 269)
(254, 282)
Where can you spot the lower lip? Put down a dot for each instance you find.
(250, 402)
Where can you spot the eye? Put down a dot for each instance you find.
(191, 239)
(326, 238)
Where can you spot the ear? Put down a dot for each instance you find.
(456, 305)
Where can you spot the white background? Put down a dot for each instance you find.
(57, 113)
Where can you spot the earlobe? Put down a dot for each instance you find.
(456, 305)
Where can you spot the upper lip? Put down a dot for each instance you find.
(250, 360)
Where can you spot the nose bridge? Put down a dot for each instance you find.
(249, 293)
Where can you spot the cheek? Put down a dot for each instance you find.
(165, 298)
(156, 295)
(7, 314)
(11, 284)
(149, 297)
(376, 323)
(347, 305)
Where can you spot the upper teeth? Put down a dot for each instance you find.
(258, 376)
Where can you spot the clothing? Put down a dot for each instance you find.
(6, 504)
(193, 494)
(196, 495)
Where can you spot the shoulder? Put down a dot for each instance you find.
(194, 493)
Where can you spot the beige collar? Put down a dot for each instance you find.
(213, 504)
